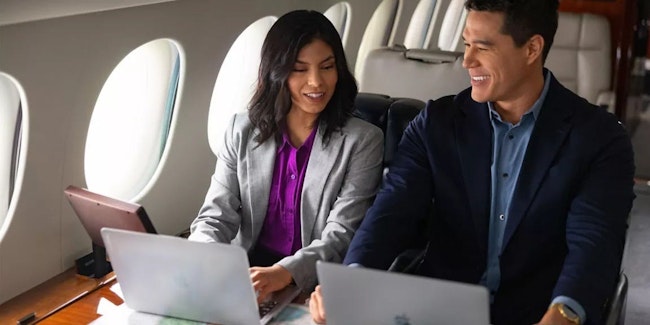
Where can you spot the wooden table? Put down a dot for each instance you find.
(84, 310)
(53, 296)
(67, 299)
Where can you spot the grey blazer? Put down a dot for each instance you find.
(341, 180)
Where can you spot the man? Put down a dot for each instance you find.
(530, 186)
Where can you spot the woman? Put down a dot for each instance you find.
(297, 173)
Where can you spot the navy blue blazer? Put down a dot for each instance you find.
(568, 219)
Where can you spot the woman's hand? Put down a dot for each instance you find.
(316, 307)
(269, 279)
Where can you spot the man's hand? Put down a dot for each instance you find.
(316, 307)
(553, 317)
(269, 279)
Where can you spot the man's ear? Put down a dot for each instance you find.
(535, 47)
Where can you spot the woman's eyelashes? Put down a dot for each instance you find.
(302, 69)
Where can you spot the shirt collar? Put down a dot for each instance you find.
(286, 143)
(537, 106)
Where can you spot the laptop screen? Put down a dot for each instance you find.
(173, 276)
(357, 295)
(96, 211)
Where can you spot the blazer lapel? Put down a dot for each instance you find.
(474, 145)
(260, 164)
(321, 162)
(551, 128)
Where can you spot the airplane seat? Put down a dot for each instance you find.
(392, 115)
(413, 73)
(379, 32)
(237, 79)
(437, 25)
(450, 36)
(340, 14)
(399, 115)
(420, 26)
(421, 73)
(580, 57)
(615, 309)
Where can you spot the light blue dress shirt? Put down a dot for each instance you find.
(509, 143)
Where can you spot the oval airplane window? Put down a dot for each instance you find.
(236, 80)
(13, 146)
(133, 120)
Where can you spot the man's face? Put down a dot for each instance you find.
(497, 68)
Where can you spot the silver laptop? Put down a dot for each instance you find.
(171, 276)
(355, 295)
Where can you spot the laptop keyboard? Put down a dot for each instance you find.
(266, 306)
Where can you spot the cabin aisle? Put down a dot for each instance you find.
(641, 136)
(636, 261)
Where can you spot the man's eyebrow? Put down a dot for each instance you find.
(479, 42)
(484, 42)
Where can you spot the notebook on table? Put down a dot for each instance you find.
(171, 276)
(356, 295)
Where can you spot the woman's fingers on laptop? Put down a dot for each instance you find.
(316, 307)
(260, 289)
(269, 279)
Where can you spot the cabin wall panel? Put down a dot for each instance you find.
(30, 250)
(62, 64)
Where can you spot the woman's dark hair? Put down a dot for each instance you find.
(272, 99)
(523, 18)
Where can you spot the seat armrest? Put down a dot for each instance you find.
(432, 56)
(615, 309)
(408, 261)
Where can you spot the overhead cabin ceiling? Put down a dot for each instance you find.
(19, 11)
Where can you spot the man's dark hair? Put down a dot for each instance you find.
(272, 99)
(523, 18)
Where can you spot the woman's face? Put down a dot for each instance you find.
(313, 79)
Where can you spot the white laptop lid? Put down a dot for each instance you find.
(171, 276)
(355, 295)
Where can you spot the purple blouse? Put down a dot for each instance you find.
(281, 230)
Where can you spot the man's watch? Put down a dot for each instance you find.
(567, 312)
